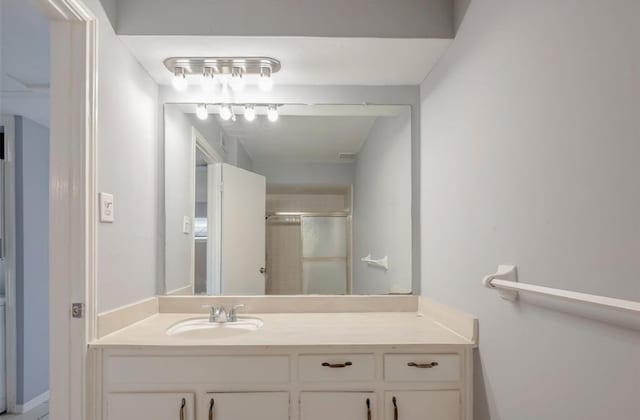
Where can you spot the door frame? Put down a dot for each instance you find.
(73, 205)
(214, 210)
(9, 251)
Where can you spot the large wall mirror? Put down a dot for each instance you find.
(298, 199)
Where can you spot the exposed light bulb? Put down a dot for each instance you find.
(237, 80)
(179, 79)
(249, 113)
(208, 80)
(225, 112)
(201, 112)
(265, 82)
(272, 113)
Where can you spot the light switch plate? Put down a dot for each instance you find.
(186, 225)
(106, 208)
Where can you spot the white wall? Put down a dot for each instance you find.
(237, 155)
(530, 146)
(179, 184)
(128, 156)
(305, 172)
(382, 207)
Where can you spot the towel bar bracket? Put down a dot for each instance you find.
(505, 272)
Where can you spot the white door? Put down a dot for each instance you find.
(338, 406)
(245, 406)
(154, 405)
(244, 196)
(420, 405)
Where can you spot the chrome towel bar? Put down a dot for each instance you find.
(505, 281)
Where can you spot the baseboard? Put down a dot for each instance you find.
(33, 403)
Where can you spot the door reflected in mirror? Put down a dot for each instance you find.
(316, 201)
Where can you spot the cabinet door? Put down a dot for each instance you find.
(337, 406)
(156, 406)
(421, 405)
(245, 406)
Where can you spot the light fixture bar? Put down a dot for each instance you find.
(222, 65)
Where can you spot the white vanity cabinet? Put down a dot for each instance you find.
(413, 382)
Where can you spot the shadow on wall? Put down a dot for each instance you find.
(480, 403)
(459, 11)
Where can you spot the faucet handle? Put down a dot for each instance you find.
(233, 314)
(214, 312)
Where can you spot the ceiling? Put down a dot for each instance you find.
(303, 133)
(305, 60)
(24, 67)
(301, 138)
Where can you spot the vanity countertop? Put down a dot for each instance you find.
(300, 329)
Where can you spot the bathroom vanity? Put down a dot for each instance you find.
(405, 365)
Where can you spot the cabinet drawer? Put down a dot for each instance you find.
(336, 367)
(153, 405)
(421, 367)
(197, 369)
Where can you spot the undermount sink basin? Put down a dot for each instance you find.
(202, 328)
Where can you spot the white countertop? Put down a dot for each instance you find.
(296, 329)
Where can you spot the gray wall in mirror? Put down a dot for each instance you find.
(314, 198)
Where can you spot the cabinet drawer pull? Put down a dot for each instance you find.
(182, 407)
(395, 408)
(337, 365)
(368, 409)
(211, 404)
(422, 365)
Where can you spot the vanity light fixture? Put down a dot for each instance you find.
(179, 80)
(237, 81)
(201, 112)
(226, 113)
(265, 82)
(208, 81)
(235, 70)
(272, 113)
(249, 113)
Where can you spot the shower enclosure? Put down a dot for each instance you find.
(308, 253)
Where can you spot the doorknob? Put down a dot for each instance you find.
(262, 270)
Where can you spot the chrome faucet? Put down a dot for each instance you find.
(220, 314)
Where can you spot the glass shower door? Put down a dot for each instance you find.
(325, 255)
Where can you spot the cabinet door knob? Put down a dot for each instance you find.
(422, 365)
(182, 408)
(368, 409)
(395, 408)
(336, 365)
(211, 404)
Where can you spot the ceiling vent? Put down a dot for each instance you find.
(347, 156)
